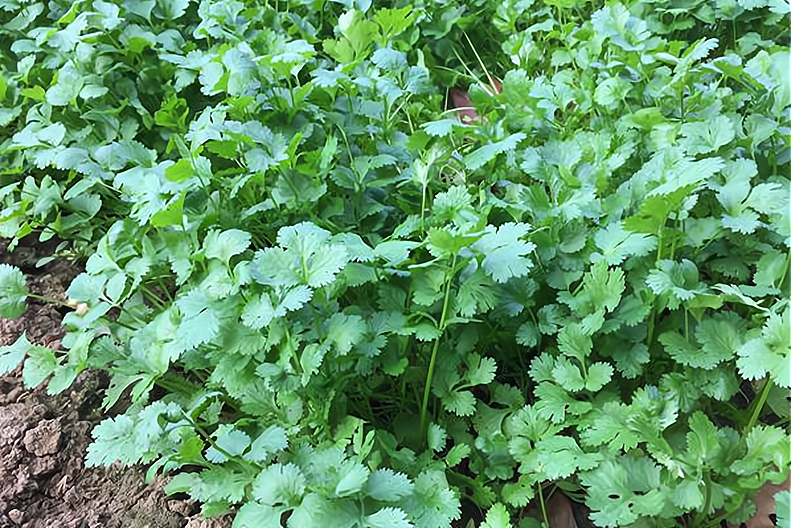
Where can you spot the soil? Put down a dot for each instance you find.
(43, 439)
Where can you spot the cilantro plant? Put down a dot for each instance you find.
(327, 301)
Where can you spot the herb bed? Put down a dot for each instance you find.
(335, 300)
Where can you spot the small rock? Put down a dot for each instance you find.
(182, 507)
(12, 422)
(43, 466)
(14, 395)
(16, 516)
(43, 439)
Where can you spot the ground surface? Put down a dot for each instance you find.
(43, 480)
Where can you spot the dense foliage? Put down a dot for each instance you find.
(333, 303)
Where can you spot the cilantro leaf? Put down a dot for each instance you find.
(687, 353)
(609, 425)
(620, 492)
(679, 280)
(554, 403)
(573, 342)
(783, 507)
(12, 355)
(485, 154)
(459, 402)
(353, 477)
(345, 331)
(720, 338)
(769, 353)
(504, 254)
(387, 518)
(702, 442)
(306, 256)
(553, 458)
(519, 493)
(259, 312)
(688, 495)
(599, 374)
(200, 320)
(388, 486)
(528, 334)
(13, 292)
(40, 365)
(630, 360)
(214, 484)
(707, 136)
(497, 517)
(616, 244)
(482, 370)
(224, 245)
(457, 454)
(257, 515)
(433, 504)
(228, 441)
(268, 443)
(437, 437)
(568, 375)
(759, 456)
(279, 484)
(114, 440)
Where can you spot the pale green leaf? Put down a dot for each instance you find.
(497, 517)
(387, 518)
(13, 292)
(388, 486)
(223, 245)
(487, 153)
(279, 484)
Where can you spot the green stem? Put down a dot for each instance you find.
(681, 101)
(432, 363)
(651, 325)
(659, 244)
(759, 405)
(718, 520)
(707, 504)
(49, 300)
(543, 505)
(208, 439)
(152, 297)
(423, 208)
(782, 279)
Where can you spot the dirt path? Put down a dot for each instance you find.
(43, 440)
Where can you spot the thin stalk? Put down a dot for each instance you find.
(432, 363)
(659, 244)
(488, 75)
(759, 405)
(543, 505)
(707, 504)
(718, 520)
(161, 284)
(423, 207)
(681, 102)
(208, 438)
(651, 325)
(782, 279)
(152, 297)
(49, 300)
